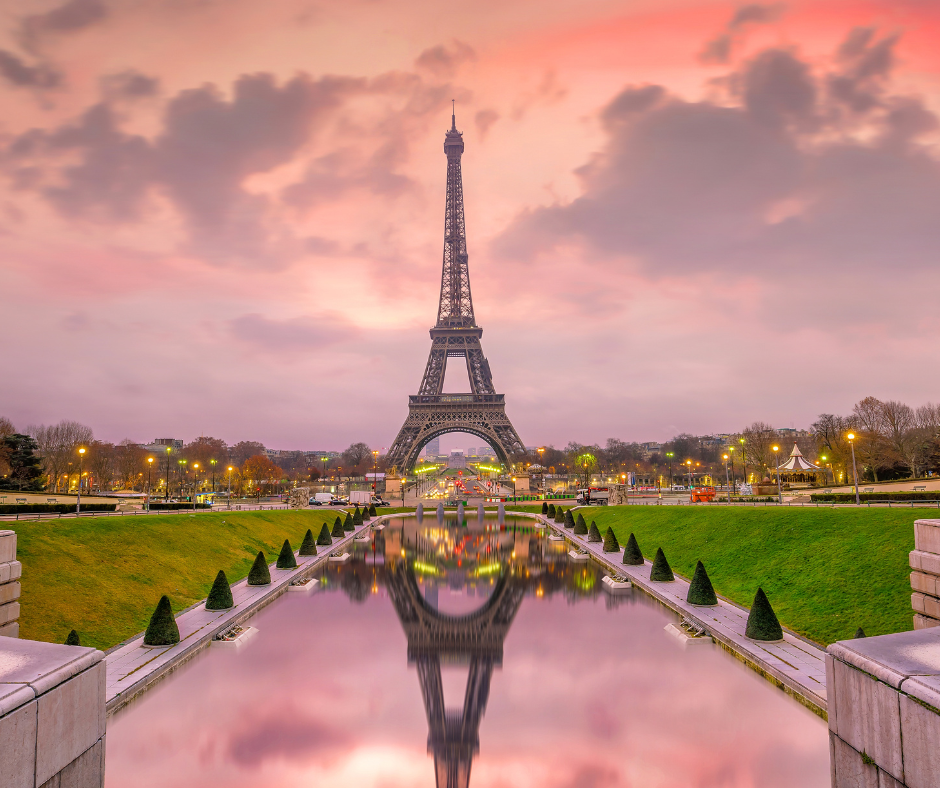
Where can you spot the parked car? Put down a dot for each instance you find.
(321, 499)
(379, 501)
(337, 501)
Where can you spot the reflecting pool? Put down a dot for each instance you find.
(465, 655)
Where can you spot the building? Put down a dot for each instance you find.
(456, 459)
(162, 444)
(433, 447)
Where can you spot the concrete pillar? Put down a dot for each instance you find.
(10, 571)
(925, 577)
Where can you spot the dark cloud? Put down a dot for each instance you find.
(768, 178)
(443, 61)
(41, 76)
(129, 84)
(69, 17)
(484, 120)
(719, 49)
(865, 70)
(292, 334)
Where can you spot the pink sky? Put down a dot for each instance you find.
(225, 218)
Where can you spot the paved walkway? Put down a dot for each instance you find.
(132, 667)
(795, 665)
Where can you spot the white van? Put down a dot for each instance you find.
(321, 499)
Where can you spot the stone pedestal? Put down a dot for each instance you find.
(10, 571)
(52, 715)
(522, 483)
(298, 498)
(925, 577)
(617, 494)
(884, 710)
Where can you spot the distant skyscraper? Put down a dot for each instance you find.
(433, 448)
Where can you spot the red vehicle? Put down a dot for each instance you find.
(700, 494)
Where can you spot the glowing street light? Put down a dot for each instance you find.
(78, 500)
(230, 486)
(776, 449)
(851, 437)
(195, 482)
(727, 480)
(149, 470)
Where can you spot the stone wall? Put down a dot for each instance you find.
(299, 498)
(52, 715)
(925, 577)
(10, 571)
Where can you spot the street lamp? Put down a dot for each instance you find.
(212, 463)
(775, 449)
(324, 459)
(514, 488)
(166, 492)
(670, 455)
(727, 480)
(691, 483)
(731, 457)
(149, 471)
(229, 486)
(78, 500)
(181, 463)
(195, 482)
(743, 458)
(851, 437)
(375, 471)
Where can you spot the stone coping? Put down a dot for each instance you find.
(133, 668)
(794, 664)
(29, 668)
(907, 661)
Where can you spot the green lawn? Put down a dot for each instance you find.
(826, 571)
(103, 576)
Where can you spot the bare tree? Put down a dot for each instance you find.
(356, 455)
(898, 426)
(58, 446)
(101, 464)
(129, 463)
(829, 432)
(870, 446)
(758, 438)
(242, 450)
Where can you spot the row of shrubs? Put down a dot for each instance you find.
(163, 630)
(69, 508)
(762, 623)
(901, 495)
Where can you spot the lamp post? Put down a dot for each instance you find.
(166, 492)
(149, 471)
(195, 482)
(514, 488)
(212, 463)
(375, 471)
(743, 458)
(181, 463)
(851, 437)
(776, 449)
(731, 458)
(670, 455)
(78, 500)
(229, 486)
(727, 480)
(689, 464)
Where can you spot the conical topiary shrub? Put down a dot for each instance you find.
(285, 559)
(551, 510)
(309, 545)
(338, 529)
(357, 516)
(372, 512)
(859, 633)
(661, 571)
(73, 639)
(259, 575)
(594, 534)
(348, 524)
(162, 629)
(632, 555)
(701, 592)
(324, 538)
(580, 527)
(611, 545)
(544, 507)
(569, 519)
(220, 596)
(762, 623)
(559, 515)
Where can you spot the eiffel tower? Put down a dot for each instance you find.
(481, 411)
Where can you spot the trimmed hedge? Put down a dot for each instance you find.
(169, 507)
(285, 559)
(324, 539)
(357, 516)
(162, 629)
(559, 515)
(348, 524)
(569, 519)
(259, 575)
(611, 545)
(338, 531)
(859, 633)
(901, 495)
(372, 512)
(220, 597)
(580, 527)
(365, 514)
(594, 534)
(661, 571)
(632, 555)
(701, 592)
(309, 545)
(762, 623)
(544, 507)
(53, 508)
(73, 639)
(551, 510)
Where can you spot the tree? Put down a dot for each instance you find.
(355, 456)
(758, 438)
(259, 470)
(870, 445)
(243, 450)
(130, 460)
(101, 463)
(899, 430)
(6, 428)
(58, 446)
(205, 449)
(25, 467)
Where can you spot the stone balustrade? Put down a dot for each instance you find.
(10, 571)
(925, 577)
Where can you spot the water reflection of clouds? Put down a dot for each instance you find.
(586, 697)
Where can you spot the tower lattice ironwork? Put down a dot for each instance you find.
(481, 411)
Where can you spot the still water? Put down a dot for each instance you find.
(456, 656)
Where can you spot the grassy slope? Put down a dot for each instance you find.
(103, 576)
(826, 571)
